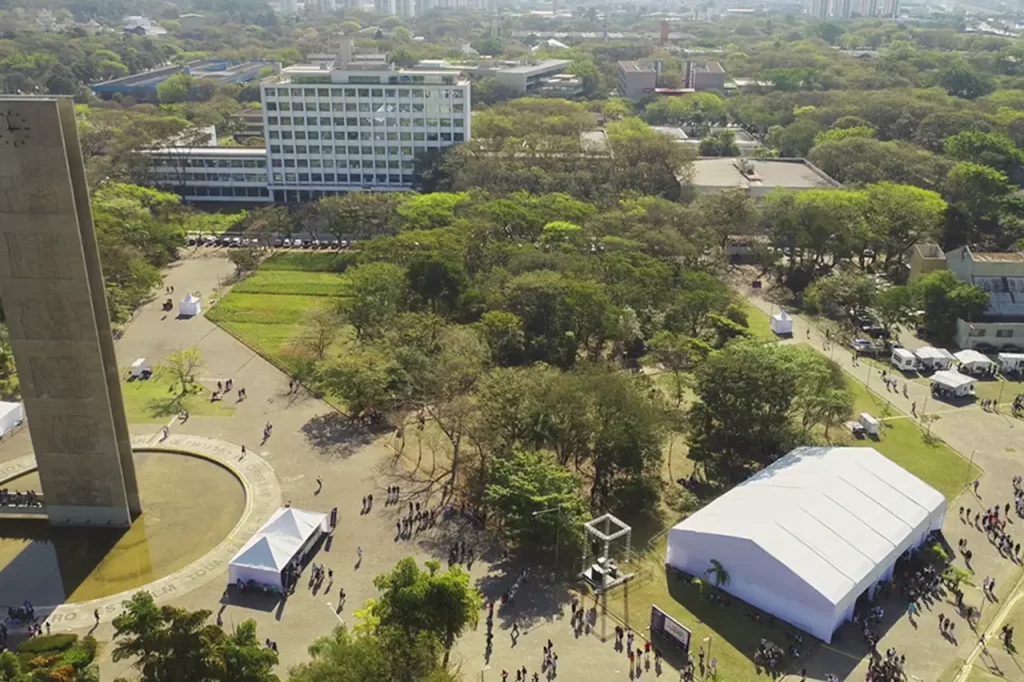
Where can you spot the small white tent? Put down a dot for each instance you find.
(11, 414)
(287, 535)
(955, 382)
(782, 324)
(189, 306)
(934, 358)
(972, 361)
(1010, 362)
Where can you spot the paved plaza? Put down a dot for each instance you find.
(996, 442)
(311, 440)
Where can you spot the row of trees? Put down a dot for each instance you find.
(934, 300)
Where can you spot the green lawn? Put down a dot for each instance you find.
(308, 261)
(905, 443)
(292, 282)
(758, 322)
(734, 635)
(153, 401)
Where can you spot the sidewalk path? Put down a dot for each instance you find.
(995, 442)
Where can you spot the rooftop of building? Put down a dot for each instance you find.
(996, 257)
(786, 173)
(365, 68)
(709, 67)
(646, 67)
(538, 67)
(221, 152)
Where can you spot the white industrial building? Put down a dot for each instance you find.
(805, 538)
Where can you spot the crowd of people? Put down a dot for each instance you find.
(18, 498)
(768, 655)
(887, 669)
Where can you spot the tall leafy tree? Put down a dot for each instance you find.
(528, 482)
(440, 603)
(171, 644)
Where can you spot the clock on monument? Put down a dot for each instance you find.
(14, 129)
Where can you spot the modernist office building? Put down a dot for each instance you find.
(344, 129)
(329, 130)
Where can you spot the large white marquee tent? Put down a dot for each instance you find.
(286, 536)
(806, 537)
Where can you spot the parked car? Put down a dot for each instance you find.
(1011, 348)
(984, 348)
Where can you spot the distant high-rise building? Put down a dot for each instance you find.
(385, 8)
(819, 9)
(891, 8)
(842, 9)
(868, 8)
(406, 8)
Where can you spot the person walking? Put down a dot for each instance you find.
(96, 615)
(319, 485)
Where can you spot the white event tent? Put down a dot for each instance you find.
(934, 358)
(959, 384)
(972, 361)
(806, 537)
(11, 414)
(782, 323)
(286, 536)
(190, 306)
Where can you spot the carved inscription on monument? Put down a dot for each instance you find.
(14, 198)
(50, 315)
(26, 250)
(63, 378)
(73, 434)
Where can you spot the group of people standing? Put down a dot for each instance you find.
(17, 498)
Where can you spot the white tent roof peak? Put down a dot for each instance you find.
(263, 554)
(970, 356)
(190, 298)
(952, 379)
(782, 315)
(933, 353)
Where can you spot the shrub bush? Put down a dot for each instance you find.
(47, 644)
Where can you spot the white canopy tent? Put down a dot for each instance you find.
(934, 358)
(190, 305)
(11, 414)
(1010, 362)
(782, 323)
(806, 537)
(972, 361)
(959, 384)
(287, 535)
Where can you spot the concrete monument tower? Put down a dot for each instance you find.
(51, 287)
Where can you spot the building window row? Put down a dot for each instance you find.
(209, 163)
(363, 136)
(386, 93)
(381, 122)
(338, 163)
(241, 192)
(343, 178)
(176, 178)
(370, 108)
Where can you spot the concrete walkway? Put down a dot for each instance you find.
(310, 440)
(995, 443)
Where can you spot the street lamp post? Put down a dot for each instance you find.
(558, 527)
